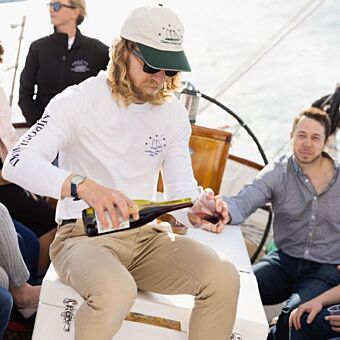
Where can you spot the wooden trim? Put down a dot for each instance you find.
(21, 125)
(216, 134)
(246, 162)
(154, 321)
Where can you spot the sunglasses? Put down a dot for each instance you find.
(150, 70)
(57, 6)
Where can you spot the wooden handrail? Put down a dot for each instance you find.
(246, 162)
(21, 125)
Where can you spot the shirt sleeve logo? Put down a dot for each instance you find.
(26, 139)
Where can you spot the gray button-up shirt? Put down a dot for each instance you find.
(306, 225)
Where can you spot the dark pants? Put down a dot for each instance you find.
(6, 303)
(37, 215)
(29, 248)
(319, 329)
(284, 278)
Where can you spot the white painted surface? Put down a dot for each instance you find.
(251, 322)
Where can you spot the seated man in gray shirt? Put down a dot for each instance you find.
(304, 190)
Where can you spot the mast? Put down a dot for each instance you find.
(21, 36)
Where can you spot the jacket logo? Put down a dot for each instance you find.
(155, 145)
(80, 66)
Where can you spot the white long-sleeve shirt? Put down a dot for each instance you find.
(120, 148)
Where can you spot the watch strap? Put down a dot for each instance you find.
(74, 193)
(75, 182)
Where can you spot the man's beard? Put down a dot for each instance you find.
(142, 96)
(311, 161)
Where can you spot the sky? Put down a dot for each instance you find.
(225, 42)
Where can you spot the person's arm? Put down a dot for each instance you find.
(314, 306)
(179, 181)
(177, 173)
(8, 136)
(29, 163)
(10, 257)
(28, 79)
(254, 195)
(102, 199)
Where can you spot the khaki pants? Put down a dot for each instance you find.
(107, 270)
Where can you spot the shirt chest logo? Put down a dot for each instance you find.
(80, 66)
(155, 145)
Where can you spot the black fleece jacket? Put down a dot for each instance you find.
(50, 67)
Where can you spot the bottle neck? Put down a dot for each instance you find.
(145, 203)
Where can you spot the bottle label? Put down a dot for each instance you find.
(122, 224)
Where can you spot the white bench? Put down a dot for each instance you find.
(250, 322)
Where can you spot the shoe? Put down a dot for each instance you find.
(28, 311)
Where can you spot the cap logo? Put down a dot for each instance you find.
(171, 35)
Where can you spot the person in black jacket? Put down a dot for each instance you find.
(59, 60)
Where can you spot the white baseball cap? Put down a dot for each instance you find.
(158, 33)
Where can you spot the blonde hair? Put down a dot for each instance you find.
(120, 83)
(2, 51)
(81, 4)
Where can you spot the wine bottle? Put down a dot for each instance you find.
(148, 211)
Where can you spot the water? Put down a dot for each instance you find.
(221, 37)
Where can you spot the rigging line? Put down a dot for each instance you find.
(298, 18)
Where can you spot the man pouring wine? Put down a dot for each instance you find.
(114, 133)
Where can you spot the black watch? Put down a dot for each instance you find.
(75, 181)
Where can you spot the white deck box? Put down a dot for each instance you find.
(171, 311)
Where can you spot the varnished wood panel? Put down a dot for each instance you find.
(21, 125)
(209, 151)
(154, 320)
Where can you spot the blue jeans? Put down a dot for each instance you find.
(29, 248)
(6, 303)
(285, 278)
(319, 329)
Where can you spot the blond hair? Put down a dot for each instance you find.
(2, 51)
(81, 4)
(120, 83)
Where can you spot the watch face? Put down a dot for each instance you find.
(77, 179)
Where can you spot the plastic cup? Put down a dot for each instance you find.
(334, 310)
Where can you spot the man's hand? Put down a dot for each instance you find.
(209, 207)
(104, 199)
(334, 320)
(312, 307)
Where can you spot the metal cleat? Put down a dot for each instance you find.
(68, 315)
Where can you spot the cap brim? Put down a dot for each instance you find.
(165, 60)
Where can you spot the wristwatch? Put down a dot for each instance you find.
(75, 181)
